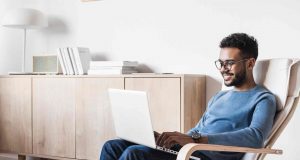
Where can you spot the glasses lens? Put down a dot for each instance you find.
(218, 64)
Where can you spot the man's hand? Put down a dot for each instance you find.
(156, 135)
(169, 139)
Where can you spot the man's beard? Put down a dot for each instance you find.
(237, 80)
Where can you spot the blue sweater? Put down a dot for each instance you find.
(237, 118)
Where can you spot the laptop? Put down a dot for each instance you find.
(131, 116)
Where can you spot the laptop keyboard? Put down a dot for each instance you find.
(174, 152)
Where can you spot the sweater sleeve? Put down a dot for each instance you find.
(196, 128)
(254, 135)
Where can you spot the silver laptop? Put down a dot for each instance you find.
(131, 118)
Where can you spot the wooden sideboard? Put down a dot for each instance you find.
(68, 117)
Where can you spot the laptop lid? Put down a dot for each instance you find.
(131, 116)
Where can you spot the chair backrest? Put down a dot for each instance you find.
(292, 101)
(282, 78)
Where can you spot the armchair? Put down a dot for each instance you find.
(282, 78)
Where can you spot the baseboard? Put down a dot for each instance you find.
(4, 156)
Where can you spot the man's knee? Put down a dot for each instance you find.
(112, 145)
(137, 149)
(112, 149)
(135, 152)
(108, 145)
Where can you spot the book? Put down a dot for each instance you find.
(114, 63)
(68, 63)
(61, 61)
(110, 71)
(73, 61)
(112, 67)
(65, 60)
(82, 58)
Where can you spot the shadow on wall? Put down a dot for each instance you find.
(56, 26)
(99, 56)
(212, 87)
(142, 68)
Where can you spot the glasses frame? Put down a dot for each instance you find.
(227, 64)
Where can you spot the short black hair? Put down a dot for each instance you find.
(247, 44)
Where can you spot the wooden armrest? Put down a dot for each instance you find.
(187, 150)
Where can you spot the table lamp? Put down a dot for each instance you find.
(25, 18)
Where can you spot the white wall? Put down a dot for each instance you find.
(61, 32)
(164, 35)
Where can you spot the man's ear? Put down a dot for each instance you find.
(251, 63)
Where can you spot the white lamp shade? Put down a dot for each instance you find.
(25, 18)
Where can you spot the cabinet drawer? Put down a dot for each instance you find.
(15, 119)
(54, 116)
(94, 124)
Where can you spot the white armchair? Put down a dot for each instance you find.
(282, 78)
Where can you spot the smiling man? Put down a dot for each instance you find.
(242, 116)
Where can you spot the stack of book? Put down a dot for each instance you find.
(74, 60)
(112, 67)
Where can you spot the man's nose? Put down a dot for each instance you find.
(224, 68)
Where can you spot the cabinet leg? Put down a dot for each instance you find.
(21, 157)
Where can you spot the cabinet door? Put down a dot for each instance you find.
(164, 100)
(94, 123)
(15, 118)
(54, 117)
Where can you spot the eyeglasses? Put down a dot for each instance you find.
(227, 64)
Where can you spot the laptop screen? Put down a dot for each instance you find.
(131, 116)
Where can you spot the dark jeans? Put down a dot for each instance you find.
(123, 150)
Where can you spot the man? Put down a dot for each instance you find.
(242, 116)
